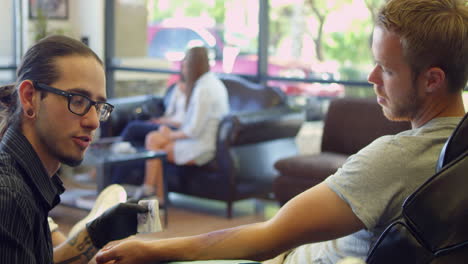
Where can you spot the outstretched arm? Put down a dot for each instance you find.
(318, 214)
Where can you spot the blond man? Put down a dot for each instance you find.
(421, 53)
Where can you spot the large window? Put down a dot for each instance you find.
(154, 34)
(325, 41)
(312, 48)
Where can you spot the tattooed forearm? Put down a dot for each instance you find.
(90, 252)
(72, 241)
(86, 254)
(86, 242)
(79, 249)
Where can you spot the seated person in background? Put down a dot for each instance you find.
(194, 142)
(49, 117)
(136, 130)
(421, 53)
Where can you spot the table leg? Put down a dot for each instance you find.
(165, 193)
(103, 174)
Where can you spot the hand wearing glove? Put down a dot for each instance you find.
(117, 222)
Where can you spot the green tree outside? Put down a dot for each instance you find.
(349, 49)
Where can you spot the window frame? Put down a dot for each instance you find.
(261, 77)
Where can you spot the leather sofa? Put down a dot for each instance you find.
(350, 124)
(260, 129)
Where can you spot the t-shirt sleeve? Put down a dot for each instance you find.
(370, 180)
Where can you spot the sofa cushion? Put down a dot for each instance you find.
(353, 123)
(302, 172)
(246, 96)
(317, 166)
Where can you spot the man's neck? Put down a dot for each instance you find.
(449, 106)
(50, 164)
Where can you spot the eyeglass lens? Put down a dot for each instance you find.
(104, 111)
(80, 105)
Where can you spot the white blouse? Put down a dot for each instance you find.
(207, 106)
(176, 106)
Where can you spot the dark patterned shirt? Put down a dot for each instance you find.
(27, 194)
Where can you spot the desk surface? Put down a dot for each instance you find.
(98, 156)
(102, 157)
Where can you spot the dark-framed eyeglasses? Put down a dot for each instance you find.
(79, 104)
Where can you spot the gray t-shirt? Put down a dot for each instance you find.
(375, 182)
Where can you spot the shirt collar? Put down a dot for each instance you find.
(18, 146)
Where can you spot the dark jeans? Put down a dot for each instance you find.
(135, 132)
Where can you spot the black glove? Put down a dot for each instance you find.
(132, 200)
(115, 223)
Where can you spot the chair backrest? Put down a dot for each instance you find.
(455, 146)
(353, 123)
(433, 226)
(244, 95)
(248, 96)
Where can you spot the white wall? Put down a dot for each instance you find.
(6, 32)
(85, 19)
(6, 40)
(130, 28)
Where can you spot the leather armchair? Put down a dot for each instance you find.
(260, 129)
(433, 226)
(126, 109)
(350, 124)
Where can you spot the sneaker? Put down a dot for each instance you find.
(144, 192)
(136, 193)
(110, 196)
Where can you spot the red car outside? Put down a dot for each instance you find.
(169, 42)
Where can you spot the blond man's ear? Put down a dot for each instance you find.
(434, 79)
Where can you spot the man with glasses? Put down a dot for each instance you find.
(49, 117)
(79, 104)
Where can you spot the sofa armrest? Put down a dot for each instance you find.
(301, 172)
(131, 108)
(253, 127)
(319, 166)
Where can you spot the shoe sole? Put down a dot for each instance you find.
(110, 196)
